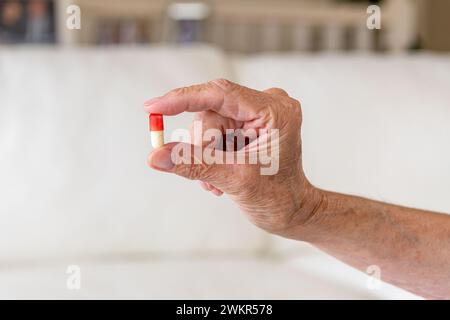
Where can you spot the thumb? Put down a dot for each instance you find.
(187, 161)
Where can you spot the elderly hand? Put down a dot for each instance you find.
(276, 202)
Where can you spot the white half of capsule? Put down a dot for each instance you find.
(157, 138)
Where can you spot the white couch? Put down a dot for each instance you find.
(75, 188)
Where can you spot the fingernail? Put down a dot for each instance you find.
(151, 101)
(161, 159)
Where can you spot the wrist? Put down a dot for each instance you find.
(312, 203)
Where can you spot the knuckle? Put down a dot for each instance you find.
(224, 84)
(296, 104)
(178, 92)
(296, 108)
(278, 91)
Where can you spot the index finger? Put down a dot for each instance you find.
(220, 96)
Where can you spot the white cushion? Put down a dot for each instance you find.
(315, 277)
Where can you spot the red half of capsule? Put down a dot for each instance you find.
(156, 122)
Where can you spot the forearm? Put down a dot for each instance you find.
(411, 247)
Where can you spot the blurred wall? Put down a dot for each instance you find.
(435, 24)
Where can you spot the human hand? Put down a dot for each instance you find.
(276, 202)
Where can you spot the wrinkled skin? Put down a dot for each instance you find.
(410, 246)
(221, 104)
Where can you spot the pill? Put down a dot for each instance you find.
(156, 123)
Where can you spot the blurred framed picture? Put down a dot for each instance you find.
(27, 21)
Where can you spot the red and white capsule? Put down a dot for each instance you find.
(156, 123)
